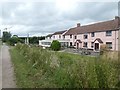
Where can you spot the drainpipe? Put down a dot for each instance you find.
(115, 40)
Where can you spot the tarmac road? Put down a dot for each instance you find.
(8, 78)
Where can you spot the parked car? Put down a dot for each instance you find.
(86, 51)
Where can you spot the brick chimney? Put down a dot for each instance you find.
(78, 24)
(118, 19)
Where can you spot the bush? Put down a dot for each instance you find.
(13, 40)
(56, 45)
(103, 49)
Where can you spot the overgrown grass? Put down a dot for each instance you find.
(38, 68)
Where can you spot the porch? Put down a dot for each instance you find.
(94, 46)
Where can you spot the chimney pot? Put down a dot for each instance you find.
(78, 24)
(116, 17)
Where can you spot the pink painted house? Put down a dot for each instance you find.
(90, 36)
(93, 35)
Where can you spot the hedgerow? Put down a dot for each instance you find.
(64, 70)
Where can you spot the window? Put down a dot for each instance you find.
(53, 36)
(85, 36)
(109, 44)
(70, 43)
(108, 33)
(92, 44)
(92, 34)
(46, 43)
(75, 37)
(70, 36)
(85, 44)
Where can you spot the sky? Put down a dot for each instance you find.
(42, 17)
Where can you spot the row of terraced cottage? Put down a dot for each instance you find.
(88, 36)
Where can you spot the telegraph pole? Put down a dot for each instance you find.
(28, 39)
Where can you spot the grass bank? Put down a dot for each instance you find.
(38, 68)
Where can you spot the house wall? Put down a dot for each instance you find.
(55, 37)
(70, 39)
(119, 41)
(102, 36)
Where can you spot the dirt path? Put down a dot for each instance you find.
(8, 79)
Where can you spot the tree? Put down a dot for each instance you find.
(35, 40)
(13, 40)
(41, 38)
(6, 36)
(21, 40)
(56, 45)
(15, 36)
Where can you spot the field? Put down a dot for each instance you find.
(38, 68)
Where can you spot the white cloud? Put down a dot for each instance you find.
(41, 18)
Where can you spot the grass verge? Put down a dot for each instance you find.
(37, 68)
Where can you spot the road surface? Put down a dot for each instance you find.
(8, 78)
(0, 67)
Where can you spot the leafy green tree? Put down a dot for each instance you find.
(21, 40)
(6, 36)
(35, 40)
(13, 40)
(41, 38)
(56, 45)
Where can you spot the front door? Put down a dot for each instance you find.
(77, 45)
(96, 46)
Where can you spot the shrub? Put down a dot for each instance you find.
(103, 49)
(56, 45)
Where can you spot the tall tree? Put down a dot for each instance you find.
(6, 36)
(13, 40)
(35, 40)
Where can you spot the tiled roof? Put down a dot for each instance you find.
(59, 32)
(49, 35)
(101, 26)
(79, 40)
(99, 40)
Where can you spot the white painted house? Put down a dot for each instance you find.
(56, 36)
